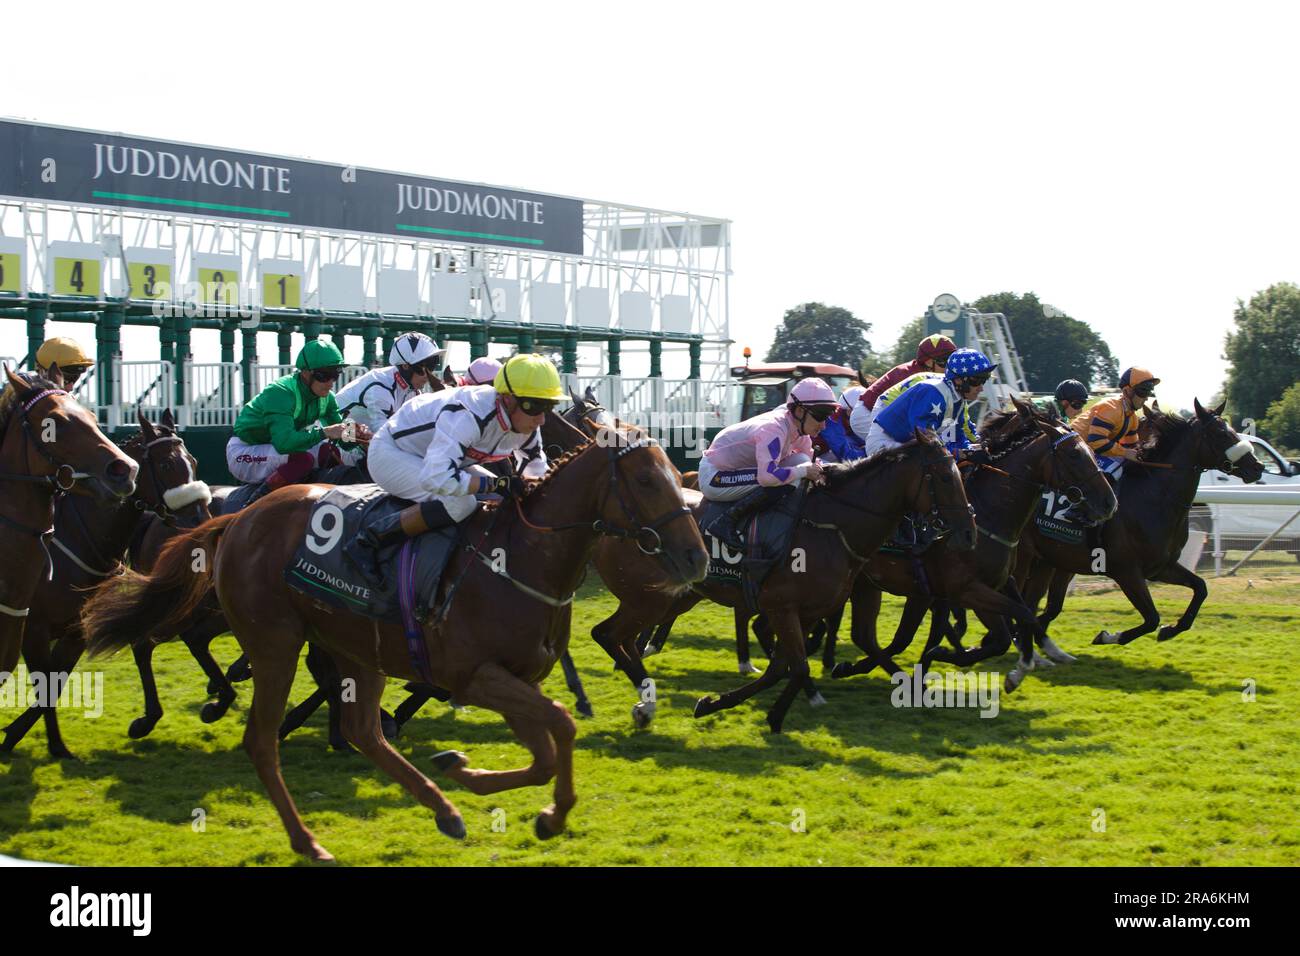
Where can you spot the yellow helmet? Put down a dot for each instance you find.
(65, 353)
(530, 376)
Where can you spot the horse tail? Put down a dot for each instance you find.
(133, 607)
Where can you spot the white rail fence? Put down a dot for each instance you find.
(1286, 498)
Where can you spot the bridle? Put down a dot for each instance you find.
(65, 476)
(161, 509)
(645, 534)
(1073, 493)
(935, 514)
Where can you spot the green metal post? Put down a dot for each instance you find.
(570, 355)
(247, 371)
(478, 343)
(526, 342)
(167, 339)
(311, 328)
(228, 341)
(108, 339)
(284, 341)
(184, 325)
(386, 342)
(695, 359)
(368, 336)
(36, 315)
(656, 358)
(613, 351)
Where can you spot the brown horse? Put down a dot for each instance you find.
(1144, 539)
(491, 644)
(843, 522)
(49, 445)
(1029, 452)
(89, 542)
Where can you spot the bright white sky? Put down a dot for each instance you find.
(1132, 163)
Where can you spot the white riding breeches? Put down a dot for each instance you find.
(398, 473)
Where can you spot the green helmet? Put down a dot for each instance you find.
(317, 354)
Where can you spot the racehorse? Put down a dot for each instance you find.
(90, 541)
(1028, 452)
(836, 534)
(49, 446)
(1145, 538)
(497, 631)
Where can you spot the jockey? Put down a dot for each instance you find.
(1070, 397)
(414, 361)
(432, 449)
(291, 426)
(751, 462)
(933, 402)
(838, 441)
(1111, 427)
(62, 361)
(481, 371)
(931, 356)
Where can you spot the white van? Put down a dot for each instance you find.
(1244, 526)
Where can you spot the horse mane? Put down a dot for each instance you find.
(1005, 431)
(1168, 428)
(9, 397)
(837, 473)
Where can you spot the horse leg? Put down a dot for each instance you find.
(833, 623)
(66, 653)
(776, 669)
(274, 659)
(1134, 586)
(743, 665)
(573, 681)
(1039, 630)
(652, 640)
(541, 724)
(958, 629)
(360, 724)
(198, 639)
(614, 635)
(142, 651)
(240, 670)
(40, 673)
(862, 630)
(417, 696)
(1175, 573)
(790, 634)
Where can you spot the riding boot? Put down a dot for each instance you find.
(363, 550)
(726, 526)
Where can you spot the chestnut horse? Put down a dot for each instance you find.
(498, 630)
(49, 446)
(89, 542)
(1146, 536)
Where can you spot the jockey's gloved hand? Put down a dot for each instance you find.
(508, 486)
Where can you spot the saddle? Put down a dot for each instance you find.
(235, 499)
(767, 541)
(412, 569)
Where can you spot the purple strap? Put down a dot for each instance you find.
(406, 598)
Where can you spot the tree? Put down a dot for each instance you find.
(823, 333)
(905, 345)
(1281, 425)
(1264, 351)
(1055, 349)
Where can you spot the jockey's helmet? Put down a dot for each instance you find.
(937, 347)
(319, 355)
(415, 348)
(968, 363)
(850, 397)
(482, 371)
(813, 394)
(1140, 380)
(1072, 391)
(63, 352)
(530, 376)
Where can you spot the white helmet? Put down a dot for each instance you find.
(850, 397)
(482, 371)
(414, 348)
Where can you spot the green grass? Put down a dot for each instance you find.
(1157, 736)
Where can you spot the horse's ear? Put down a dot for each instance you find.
(574, 396)
(168, 420)
(1222, 405)
(17, 383)
(590, 396)
(146, 426)
(862, 380)
(1200, 411)
(1023, 410)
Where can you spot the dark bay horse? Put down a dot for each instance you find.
(1029, 452)
(490, 646)
(49, 446)
(89, 542)
(1144, 539)
(843, 522)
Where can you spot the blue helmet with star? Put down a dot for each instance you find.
(966, 362)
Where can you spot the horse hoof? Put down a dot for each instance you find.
(540, 828)
(745, 667)
(1041, 661)
(211, 712)
(817, 700)
(642, 715)
(238, 673)
(445, 760)
(62, 753)
(1013, 681)
(1105, 637)
(141, 727)
(842, 670)
(705, 706)
(316, 853)
(584, 708)
(1056, 654)
(650, 651)
(774, 723)
(452, 826)
(1168, 633)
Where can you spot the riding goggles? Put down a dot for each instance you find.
(535, 406)
(326, 374)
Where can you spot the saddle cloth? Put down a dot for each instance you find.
(767, 541)
(411, 570)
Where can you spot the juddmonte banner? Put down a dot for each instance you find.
(103, 169)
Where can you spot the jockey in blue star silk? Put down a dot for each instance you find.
(838, 441)
(937, 403)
